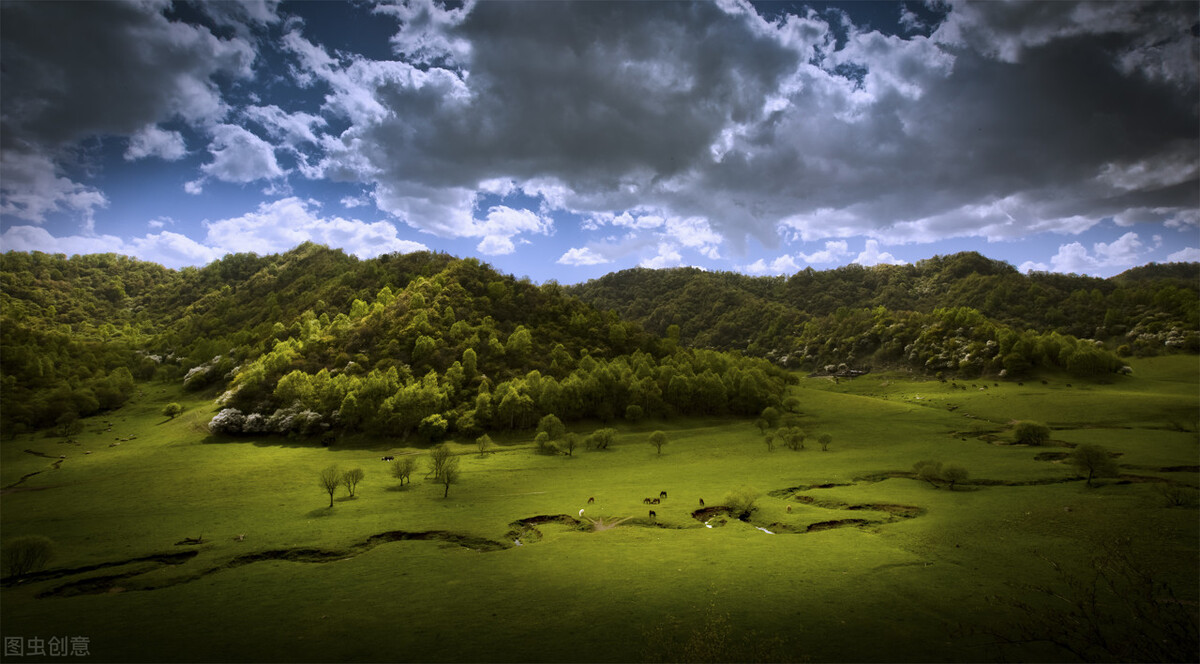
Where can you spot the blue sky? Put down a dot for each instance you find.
(566, 140)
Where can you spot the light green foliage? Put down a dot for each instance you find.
(792, 437)
(484, 444)
(1093, 461)
(741, 501)
(172, 410)
(1031, 433)
(30, 553)
(433, 428)
(658, 439)
(552, 426)
(402, 469)
(600, 439)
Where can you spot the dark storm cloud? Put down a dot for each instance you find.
(1006, 120)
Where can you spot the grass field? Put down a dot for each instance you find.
(862, 562)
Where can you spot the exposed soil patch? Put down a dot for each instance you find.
(784, 493)
(830, 525)
(46, 575)
(1051, 456)
(902, 511)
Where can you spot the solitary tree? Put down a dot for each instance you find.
(1031, 433)
(762, 425)
(402, 469)
(351, 478)
(600, 439)
(172, 410)
(929, 471)
(792, 437)
(541, 443)
(825, 440)
(1093, 461)
(658, 439)
(791, 404)
(449, 475)
(954, 473)
(329, 480)
(30, 553)
(770, 438)
(771, 415)
(484, 443)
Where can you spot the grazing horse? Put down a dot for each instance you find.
(701, 502)
(662, 494)
(653, 514)
(655, 501)
(789, 509)
(646, 501)
(591, 500)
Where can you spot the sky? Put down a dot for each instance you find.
(563, 141)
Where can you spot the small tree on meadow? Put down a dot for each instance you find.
(792, 404)
(1093, 461)
(954, 473)
(329, 480)
(543, 445)
(351, 478)
(928, 471)
(634, 413)
(569, 442)
(439, 458)
(792, 437)
(762, 425)
(658, 439)
(825, 439)
(402, 469)
(449, 475)
(484, 443)
(172, 410)
(1031, 433)
(770, 439)
(30, 553)
(600, 439)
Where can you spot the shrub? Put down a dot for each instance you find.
(929, 471)
(741, 501)
(1031, 433)
(954, 473)
(30, 553)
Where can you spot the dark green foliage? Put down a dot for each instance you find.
(953, 474)
(30, 553)
(1031, 433)
(825, 440)
(914, 314)
(1093, 461)
(928, 471)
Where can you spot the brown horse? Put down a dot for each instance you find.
(591, 500)
(653, 514)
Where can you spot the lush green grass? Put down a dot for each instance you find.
(893, 589)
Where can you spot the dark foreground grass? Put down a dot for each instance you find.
(861, 561)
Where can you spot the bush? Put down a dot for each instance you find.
(1031, 433)
(929, 471)
(30, 553)
(741, 502)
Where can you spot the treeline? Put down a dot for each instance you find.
(348, 343)
(1144, 311)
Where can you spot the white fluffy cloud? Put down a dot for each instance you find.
(667, 256)
(871, 255)
(152, 141)
(1123, 252)
(239, 156)
(165, 248)
(280, 225)
(1185, 255)
(581, 256)
(782, 265)
(834, 251)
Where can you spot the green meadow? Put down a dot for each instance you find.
(846, 556)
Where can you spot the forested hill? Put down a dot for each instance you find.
(929, 315)
(314, 340)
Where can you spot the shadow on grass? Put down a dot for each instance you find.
(320, 512)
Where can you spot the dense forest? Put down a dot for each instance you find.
(313, 340)
(962, 313)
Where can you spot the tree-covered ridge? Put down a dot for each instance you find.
(379, 345)
(1149, 309)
